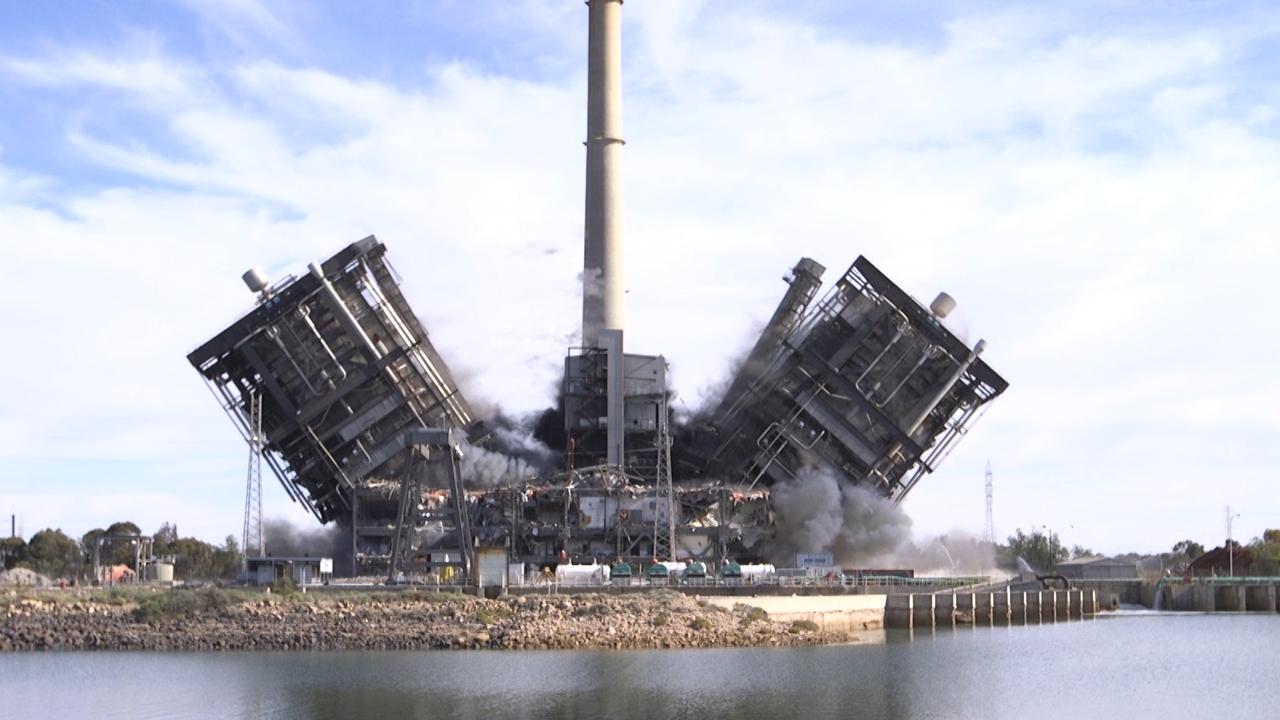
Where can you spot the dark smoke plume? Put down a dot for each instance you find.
(285, 539)
(819, 512)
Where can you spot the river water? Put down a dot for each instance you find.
(1130, 665)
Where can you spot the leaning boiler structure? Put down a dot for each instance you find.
(867, 384)
(333, 373)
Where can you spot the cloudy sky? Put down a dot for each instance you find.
(1097, 185)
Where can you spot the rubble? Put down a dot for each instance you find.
(401, 620)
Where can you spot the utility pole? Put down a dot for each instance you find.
(1231, 545)
(989, 530)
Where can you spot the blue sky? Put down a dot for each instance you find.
(1095, 183)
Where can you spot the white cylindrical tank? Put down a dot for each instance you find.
(757, 572)
(674, 569)
(942, 305)
(255, 279)
(160, 571)
(582, 574)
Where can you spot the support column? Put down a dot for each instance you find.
(1048, 606)
(897, 611)
(1260, 598)
(1032, 599)
(964, 609)
(1075, 601)
(922, 611)
(944, 608)
(1229, 598)
(982, 608)
(1017, 608)
(1000, 607)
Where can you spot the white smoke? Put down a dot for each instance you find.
(484, 468)
(819, 512)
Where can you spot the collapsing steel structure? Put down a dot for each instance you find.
(868, 384)
(344, 373)
(334, 379)
(362, 422)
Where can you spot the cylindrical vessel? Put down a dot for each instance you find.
(255, 279)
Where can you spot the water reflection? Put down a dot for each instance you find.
(1140, 665)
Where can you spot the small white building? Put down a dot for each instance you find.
(302, 570)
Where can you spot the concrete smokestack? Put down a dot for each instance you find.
(602, 273)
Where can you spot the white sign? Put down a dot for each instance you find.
(815, 560)
(326, 565)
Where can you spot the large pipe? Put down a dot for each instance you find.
(602, 272)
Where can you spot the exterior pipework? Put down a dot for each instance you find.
(806, 278)
(602, 270)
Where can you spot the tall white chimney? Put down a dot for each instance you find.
(602, 281)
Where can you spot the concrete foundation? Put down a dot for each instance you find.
(982, 608)
(1075, 604)
(1230, 598)
(944, 610)
(1260, 598)
(1000, 608)
(1032, 599)
(1018, 608)
(897, 612)
(922, 610)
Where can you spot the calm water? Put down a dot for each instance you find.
(1127, 665)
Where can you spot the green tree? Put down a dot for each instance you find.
(164, 538)
(1189, 548)
(1079, 551)
(199, 560)
(89, 546)
(1266, 554)
(13, 550)
(52, 553)
(1041, 551)
(119, 543)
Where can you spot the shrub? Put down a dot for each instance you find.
(661, 619)
(801, 626)
(700, 623)
(180, 603)
(753, 614)
(493, 614)
(285, 587)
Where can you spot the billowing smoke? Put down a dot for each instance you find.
(484, 468)
(512, 454)
(285, 539)
(956, 553)
(819, 512)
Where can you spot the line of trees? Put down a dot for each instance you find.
(1043, 551)
(53, 553)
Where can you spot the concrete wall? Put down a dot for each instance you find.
(1260, 598)
(832, 613)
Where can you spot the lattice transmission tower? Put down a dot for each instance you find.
(664, 524)
(254, 540)
(989, 530)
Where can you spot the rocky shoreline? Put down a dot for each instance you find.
(219, 620)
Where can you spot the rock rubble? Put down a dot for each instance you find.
(388, 620)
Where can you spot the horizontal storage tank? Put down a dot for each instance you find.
(757, 572)
(582, 574)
